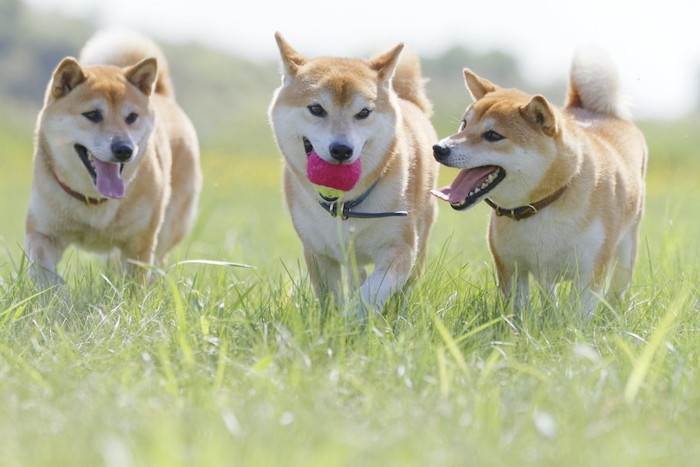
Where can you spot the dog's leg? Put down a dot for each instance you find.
(391, 273)
(44, 254)
(357, 275)
(522, 292)
(143, 252)
(513, 279)
(626, 254)
(590, 285)
(113, 260)
(423, 238)
(588, 301)
(550, 295)
(514, 284)
(325, 276)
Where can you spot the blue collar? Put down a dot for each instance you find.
(345, 209)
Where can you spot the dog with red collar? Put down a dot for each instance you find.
(116, 160)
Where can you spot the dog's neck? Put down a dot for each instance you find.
(529, 210)
(344, 209)
(43, 155)
(77, 195)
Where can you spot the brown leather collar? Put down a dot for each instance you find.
(79, 196)
(523, 212)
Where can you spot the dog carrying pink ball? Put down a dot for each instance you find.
(332, 179)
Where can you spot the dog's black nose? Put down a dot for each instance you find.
(440, 152)
(122, 151)
(341, 152)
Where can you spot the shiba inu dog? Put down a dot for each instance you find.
(116, 160)
(371, 117)
(566, 185)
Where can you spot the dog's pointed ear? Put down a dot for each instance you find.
(477, 86)
(539, 112)
(386, 63)
(291, 59)
(66, 77)
(143, 75)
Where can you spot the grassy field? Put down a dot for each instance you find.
(231, 366)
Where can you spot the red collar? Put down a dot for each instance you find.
(79, 196)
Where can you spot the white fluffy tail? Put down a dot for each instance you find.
(594, 84)
(124, 48)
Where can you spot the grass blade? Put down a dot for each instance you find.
(643, 364)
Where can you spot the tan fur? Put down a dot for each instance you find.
(393, 143)
(162, 179)
(590, 232)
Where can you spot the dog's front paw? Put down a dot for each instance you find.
(359, 310)
(50, 286)
(43, 278)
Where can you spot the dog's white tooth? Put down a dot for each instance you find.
(477, 189)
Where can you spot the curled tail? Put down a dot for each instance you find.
(409, 83)
(594, 84)
(123, 48)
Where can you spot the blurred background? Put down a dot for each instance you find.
(225, 61)
(225, 66)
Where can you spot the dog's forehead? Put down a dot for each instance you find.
(344, 80)
(470, 114)
(479, 114)
(109, 85)
(497, 105)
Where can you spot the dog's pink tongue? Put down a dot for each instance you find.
(109, 181)
(466, 181)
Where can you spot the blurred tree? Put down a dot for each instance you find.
(697, 93)
(31, 45)
(447, 90)
(10, 12)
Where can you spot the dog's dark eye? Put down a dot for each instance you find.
(362, 114)
(462, 125)
(491, 136)
(131, 118)
(316, 110)
(95, 116)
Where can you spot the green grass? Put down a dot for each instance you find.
(218, 365)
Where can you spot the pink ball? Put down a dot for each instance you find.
(341, 177)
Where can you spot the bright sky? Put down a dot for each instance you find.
(656, 44)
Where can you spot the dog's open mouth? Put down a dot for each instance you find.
(86, 158)
(308, 147)
(105, 175)
(470, 186)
